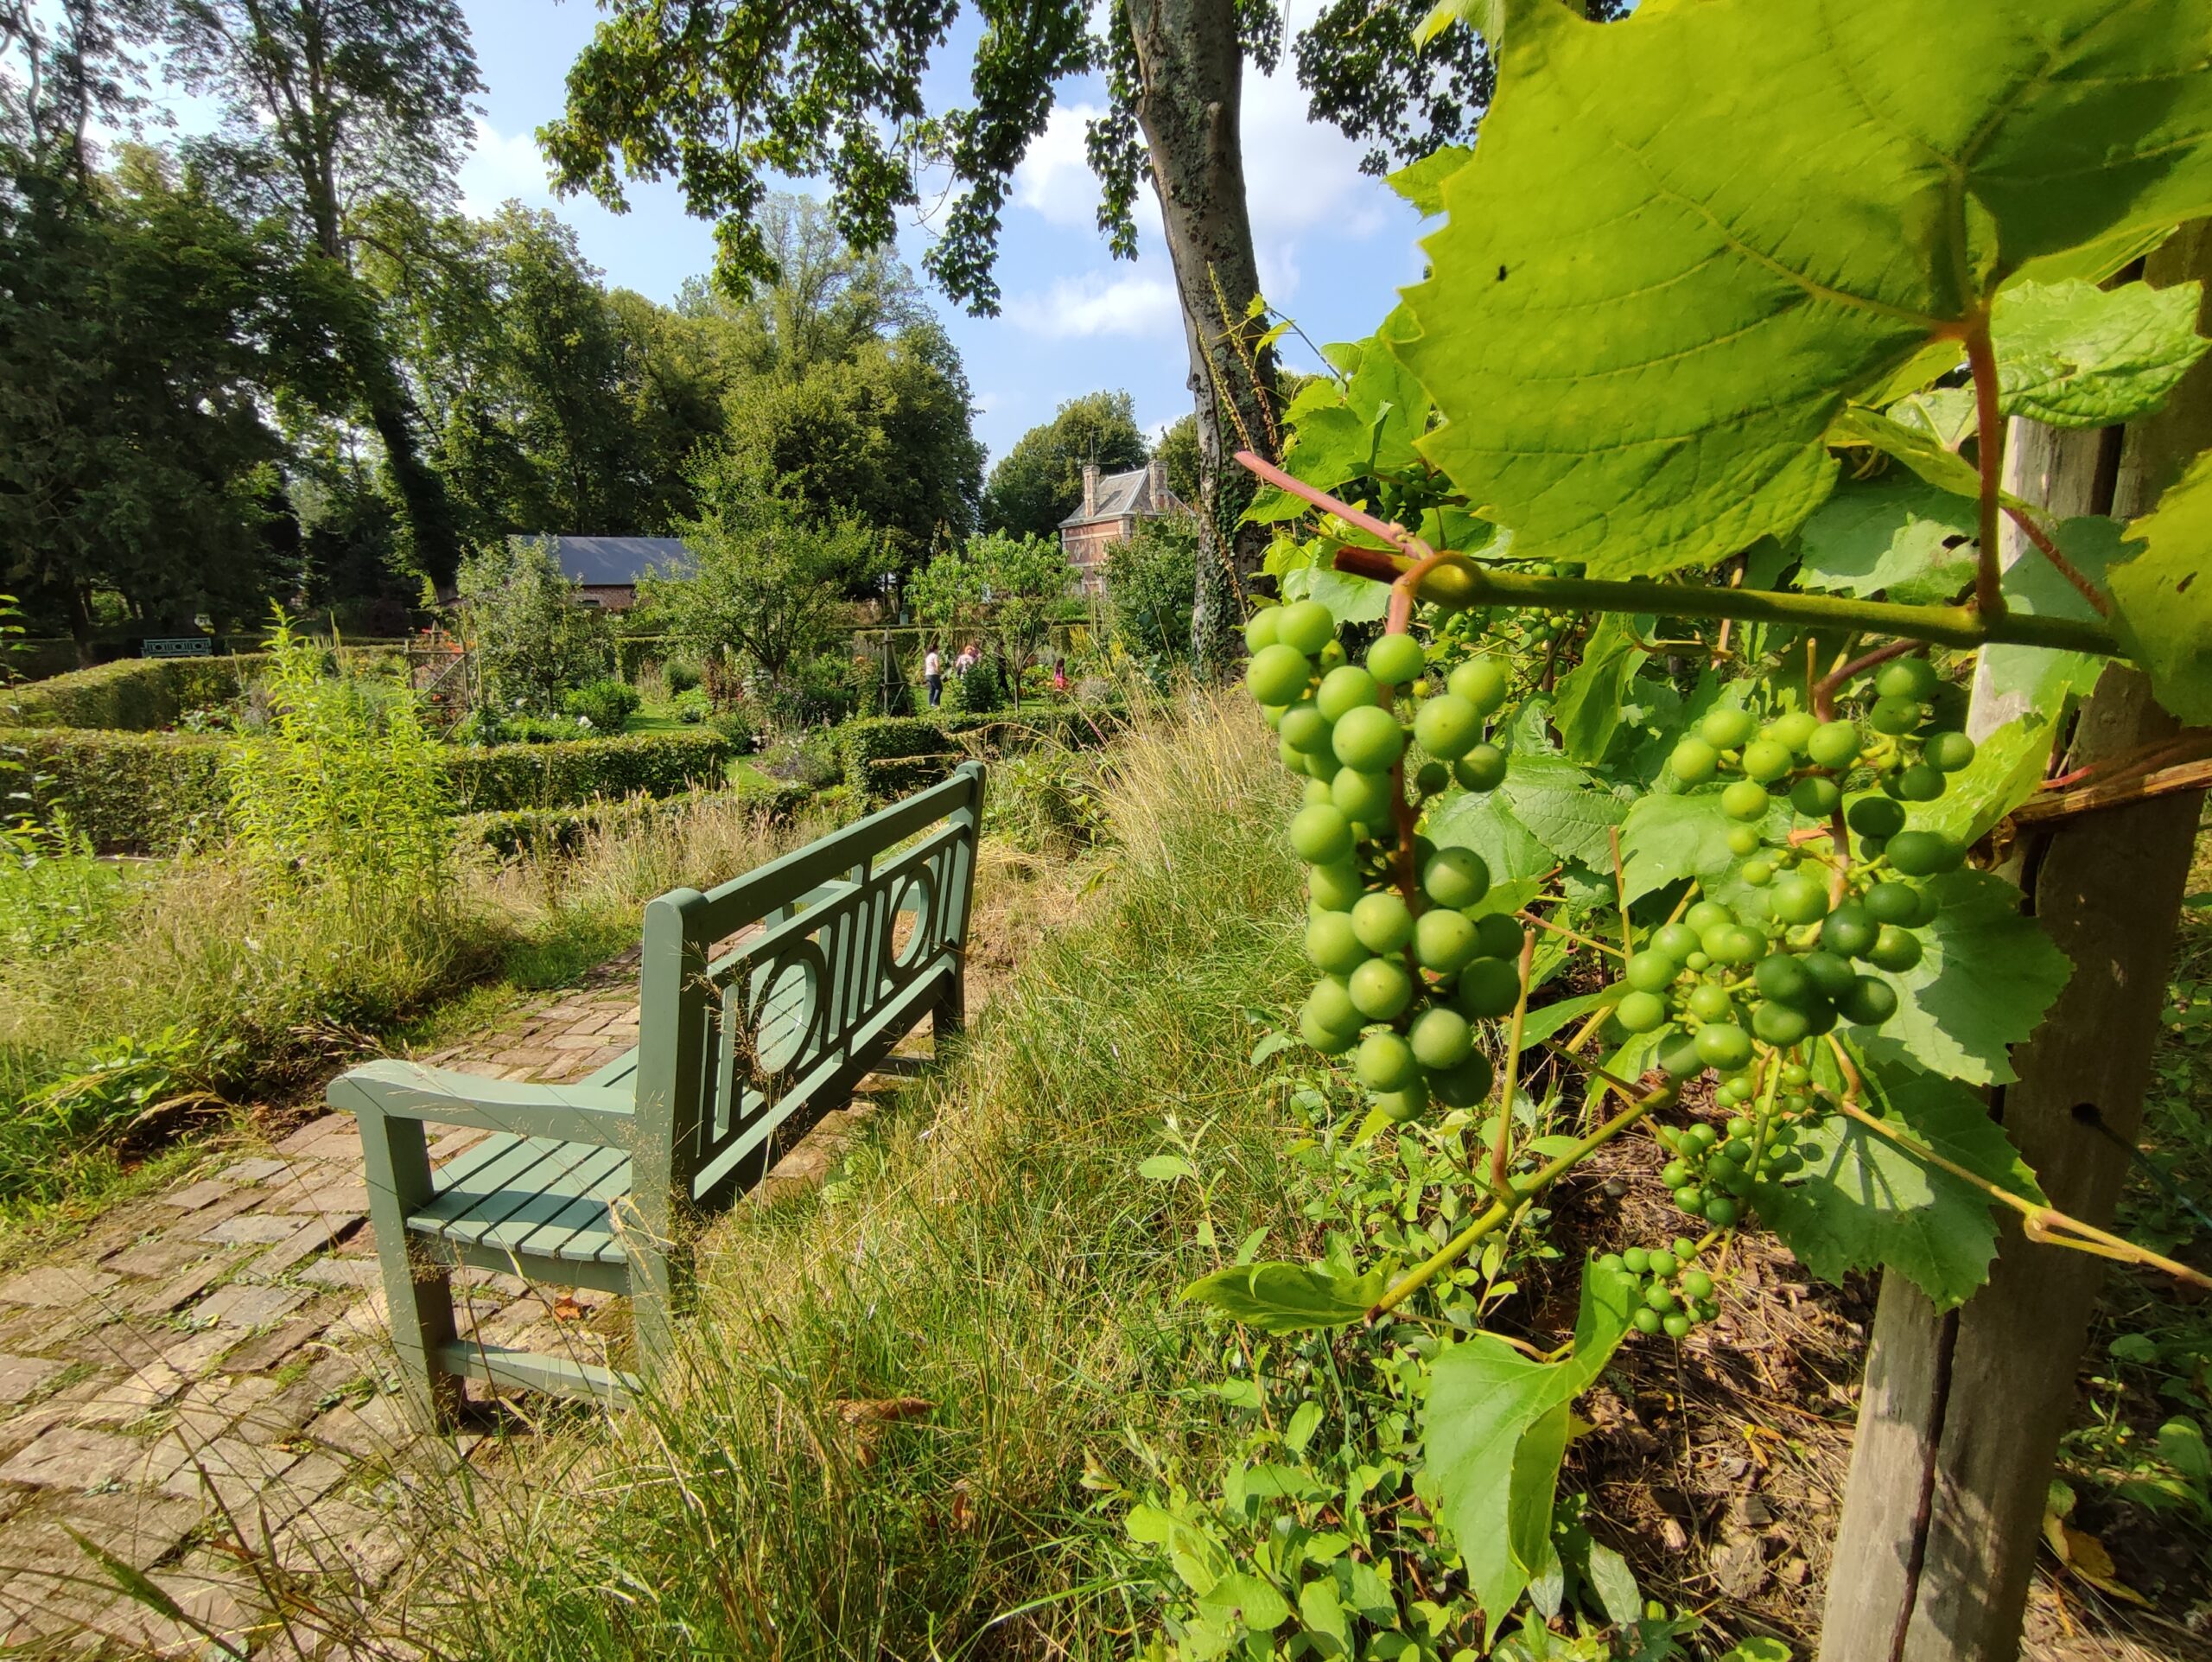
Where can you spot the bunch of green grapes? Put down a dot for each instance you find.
(1676, 1295)
(1408, 962)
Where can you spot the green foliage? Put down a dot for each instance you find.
(1007, 586)
(500, 777)
(1855, 257)
(55, 889)
(123, 1086)
(1150, 577)
(2072, 354)
(980, 692)
(533, 637)
(146, 793)
(345, 789)
(606, 703)
(1039, 482)
(518, 831)
(2162, 614)
(131, 695)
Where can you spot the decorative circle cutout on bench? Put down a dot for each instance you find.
(915, 907)
(787, 999)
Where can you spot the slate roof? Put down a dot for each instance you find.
(1126, 495)
(618, 562)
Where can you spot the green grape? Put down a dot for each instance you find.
(1698, 961)
(1892, 902)
(1465, 1085)
(1306, 625)
(1343, 689)
(1659, 1298)
(1766, 760)
(1278, 674)
(1290, 756)
(1381, 988)
(1949, 752)
(1676, 940)
(1330, 1001)
(1871, 1001)
(1646, 1321)
(1385, 1061)
(1382, 922)
(1779, 1025)
(1330, 656)
(1650, 971)
(1706, 916)
(1693, 761)
(1641, 1012)
(1710, 1004)
(1336, 887)
(1757, 873)
(1830, 973)
(1673, 1174)
(1318, 794)
(1320, 836)
(1697, 1283)
(1368, 738)
(1329, 1041)
(1498, 935)
(1703, 1135)
(1404, 1106)
(1663, 1263)
(1489, 988)
(1919, 783)
(1448, 726)
(1799, 898)
(1721, 1212)
(1744, 839)
(1795, 730)
(1440, 1038)
(1455, 877)
(1814, 797)
(1911, 678)
(1260, 629)
(1676, 1326)
(1739, 1128)
(1736, 945)
(1443, 941)
(1923, 854)
(1333, 943)
(1782, 979)
(1728, 728)
(1895, 950)
(1875, 816)
(1692, 1198)
(1610, 1261)
(1395, 660)
(1304, 728)
(1679, 1059)
(1930, 909)
(1895, 716)
(1432, 777)
(1482, 768)
(1481, 683)
(1849, 932)
(1744, 800)
(1834, 744)
(1636, 1261)
(1365, 798)
(1722, 1045)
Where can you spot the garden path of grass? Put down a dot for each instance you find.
(201, 1385)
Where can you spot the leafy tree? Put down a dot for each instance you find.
(1148, 588)
(328, 105)
(1039, 482)
(533, 637)
(1007, 587)
(767, 581)
(1178, 448)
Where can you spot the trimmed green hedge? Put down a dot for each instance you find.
(150, 793)
(131, 695)
(864, 744)
(532, 830)
(884, 778)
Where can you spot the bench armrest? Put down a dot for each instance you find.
(571, 1113)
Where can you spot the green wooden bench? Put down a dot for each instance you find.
(762, 1003)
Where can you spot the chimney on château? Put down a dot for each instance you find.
(1156, 472)
(1090, 490)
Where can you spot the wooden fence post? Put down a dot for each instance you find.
(1962, 1413)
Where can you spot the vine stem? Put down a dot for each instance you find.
(2042, 1224)
(1989, 445)
(1499, 1151)
(1456, 582)
(1828, 685)
(1523, 1190)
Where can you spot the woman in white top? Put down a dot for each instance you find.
(934, 676)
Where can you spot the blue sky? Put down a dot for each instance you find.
(1334, 245)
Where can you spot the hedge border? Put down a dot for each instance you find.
(521, 831)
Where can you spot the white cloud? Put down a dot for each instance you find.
(1124, 302)
(1053, 179)
(500, 166)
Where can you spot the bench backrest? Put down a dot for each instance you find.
(830, 954)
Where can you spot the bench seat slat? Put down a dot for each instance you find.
(571, 1219)
(500, 1188)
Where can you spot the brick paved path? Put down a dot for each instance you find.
(201, 1385)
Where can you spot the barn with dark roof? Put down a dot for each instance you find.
(606, 569)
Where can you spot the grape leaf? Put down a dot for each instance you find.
(1666, 838)
(1587, 702)
(1421, 182)
(2161, 612)
(1561, 808)
(1496, 1423)
(2076, 355)
(1864, 1203)
(1946, 414)
(1987, 975)
(1287, 1298)
(1482, 821)
(1341, 431)
(1895, 534)
(1915, 446)
(2006, 769)
(2011, 680)
(1645, 311)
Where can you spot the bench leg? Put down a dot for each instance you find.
(418, 1289)
(949, 1019)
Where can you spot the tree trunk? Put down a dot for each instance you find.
(422, 492)
(1962, 1413)
(1191, 66)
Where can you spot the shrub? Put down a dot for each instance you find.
(544, 831)
(551, 775)
(148, 792)
(681, 677)
(132, 695)
(821, 692)
(692, 705)
(736, 724)
(978, 691)
(55, 889)
(1047, 800)
(534, 639)
(606, 703)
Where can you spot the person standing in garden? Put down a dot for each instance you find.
(934, 676)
